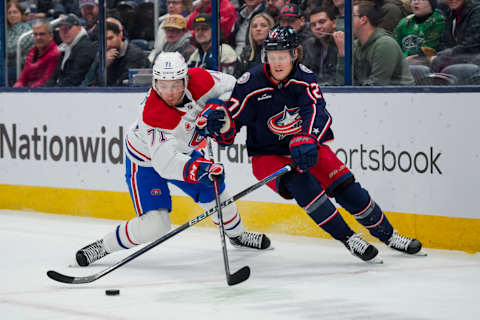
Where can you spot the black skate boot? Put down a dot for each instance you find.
(404, 244)
(361, 248)
(251, 240)
(91, 253)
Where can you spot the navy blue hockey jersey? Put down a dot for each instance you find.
(273, 113)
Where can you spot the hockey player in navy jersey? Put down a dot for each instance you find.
(283, 110)
(161, 150)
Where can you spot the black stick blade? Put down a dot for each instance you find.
(54, 275)
(239, 276)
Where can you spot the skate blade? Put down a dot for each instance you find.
(376, 260)
(241, 248)
(420, 253)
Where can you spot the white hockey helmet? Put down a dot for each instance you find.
(169, 66)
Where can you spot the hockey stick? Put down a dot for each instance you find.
(242, 274)
(87, 279)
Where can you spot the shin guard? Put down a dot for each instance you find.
(309, 194)
(142, 229)
(232, 221)
(358, 202)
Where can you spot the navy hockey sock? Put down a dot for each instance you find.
(310, 195)
(358, 202)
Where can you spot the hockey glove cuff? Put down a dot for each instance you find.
(303, 150)
(203, 171)
(214, 119)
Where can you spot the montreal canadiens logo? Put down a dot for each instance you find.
(156, 192)
(286, 123)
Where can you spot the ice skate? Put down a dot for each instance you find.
(91, 253)
(362, 249)
(405, 244)
(251, 240)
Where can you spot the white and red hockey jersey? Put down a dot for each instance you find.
(164, 137)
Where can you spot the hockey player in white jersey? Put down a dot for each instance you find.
(161, 150)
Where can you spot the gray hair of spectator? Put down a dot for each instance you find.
(41, 22)
(372, 9)
(16, 4)
(330, 12)
(271, 23)
(113, 27)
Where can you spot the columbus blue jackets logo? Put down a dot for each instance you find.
(244, 78)
(286, 123)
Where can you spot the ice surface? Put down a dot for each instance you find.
(183, 278)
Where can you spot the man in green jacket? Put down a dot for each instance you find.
(377, 57)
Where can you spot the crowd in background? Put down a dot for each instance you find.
(397, 42)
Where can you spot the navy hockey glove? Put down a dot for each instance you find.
(203, 171)
(303, 150)
(212, 118)
(216, 121)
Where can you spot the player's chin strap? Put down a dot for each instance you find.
(87, 279)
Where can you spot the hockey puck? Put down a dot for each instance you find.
(112, 292)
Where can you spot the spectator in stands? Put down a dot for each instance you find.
(290, 15)
(89, 10)
(251, 54)
(78, 53)
(273, 7)
(39, 9)
(182, 7)
(423, 28)
(460, 42)
(377, 57)
(239, 36)
(126, 11)
(321, 53)
(16, 26)
(177, 36)
(120, 57)
(42, 59)
(393, 11)
(202, 57)
(228, 15)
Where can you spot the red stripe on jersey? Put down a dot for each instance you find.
(136, 151)
(200, 82)
(136, 200)
(128, 236)
(156, 113)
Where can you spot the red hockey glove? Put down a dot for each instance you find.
(303, 150)
(203, 171)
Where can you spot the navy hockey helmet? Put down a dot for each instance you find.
(280, 38)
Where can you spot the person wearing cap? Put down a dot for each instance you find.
(460, 43)
(181, 7)
(89, 11)
(202, 56)
(42, 59)
(321, 56)
(273, 7)
(423, 28)
(228, 15)
(290, 15)
(78, 53)
(177, 36)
